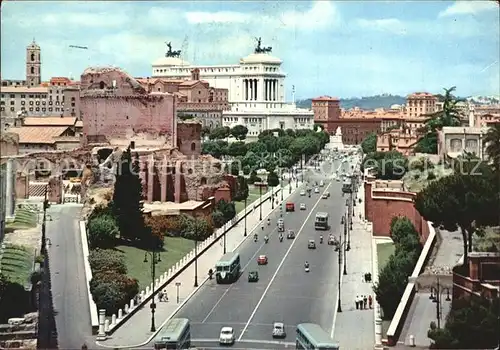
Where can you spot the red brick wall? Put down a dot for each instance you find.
(380, 211)
(189, 138)
(223, 193)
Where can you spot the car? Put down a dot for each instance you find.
(311, 244)
(316, 190)
(302, 206)
(253, 276)
(302, 193)
(226, 336)
(325, 195)
(321, 183)
(331, 240)
(262, 260)
(290, 234)
(280, 222)
(279, 330)
(290, 206)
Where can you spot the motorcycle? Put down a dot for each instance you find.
(255, 238)
(321, 240)
(281, 238)
(266, 239)
(268, 222)
(306, 267)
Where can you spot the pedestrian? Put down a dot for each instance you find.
(356, 301)
(370, 301)
(160, 296)
(165, 295)
(365, 299)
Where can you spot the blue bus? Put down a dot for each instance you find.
(227, 269)
(175, 334)
(311, 336)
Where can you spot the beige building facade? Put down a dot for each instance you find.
(454, 141)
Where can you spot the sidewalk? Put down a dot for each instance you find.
(136, 331)
(354, 329)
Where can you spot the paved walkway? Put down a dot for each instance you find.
(136, 331)
(354, 329)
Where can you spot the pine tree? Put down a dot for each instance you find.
(127, 198)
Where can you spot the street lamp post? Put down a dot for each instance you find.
(196, 261)
(245, 232)
(224, 239)
(347, 234)
(44, 220)
(177, 284)
(260, 206)
(155, 259)
(340, 245)
(436, 293)
(281, 185)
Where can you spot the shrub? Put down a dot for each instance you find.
(102, 231)
(394, 276)
(218, 218)
(431, 175)
(103, 260)
(112, 290)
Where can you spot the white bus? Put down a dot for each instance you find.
(175, 334)
(311, 336)
(227, 269)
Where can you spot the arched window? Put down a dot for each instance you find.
(32, 57)
(193, 146)
(32, 70)
(102, 85)
(203, 181)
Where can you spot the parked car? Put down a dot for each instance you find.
(290, 234)
(311, 244)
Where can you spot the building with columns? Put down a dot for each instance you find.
(256, 90)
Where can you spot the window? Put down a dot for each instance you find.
(31, 103)
(102, 85)
(2, 109)
(50, 102)
(72, 104)
(38, 103)
(32, 58)
(23, 96)
(12, 103)
(32, 70)
(31, 109)
(43, 109)
(72, 98)
(12, 96)
(12, 109)
(31, 96)
(38, 109)
(193, 146)
(50, 109)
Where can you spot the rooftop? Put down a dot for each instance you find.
(38, 135)
(24, 89)
(170, 208)
(260, 58)
(49, 121)
(326, 98)
(170, 61)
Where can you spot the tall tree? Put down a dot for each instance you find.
(448, 116)
(458, 202)
(127, 197)
(239, 132)
(369, 144)
(492, 142)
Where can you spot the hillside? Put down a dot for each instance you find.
(386, 101)
(370, 102)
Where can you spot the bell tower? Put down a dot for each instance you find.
(33, 65)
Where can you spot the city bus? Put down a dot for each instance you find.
(175, 334)
(227, 269)
(347, 185)
(311, 336)
(321, 221)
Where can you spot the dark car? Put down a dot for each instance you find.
(290, 234)
(253, 276)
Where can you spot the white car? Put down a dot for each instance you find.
(226, 335)
(321, 183)
(279, 330)
(316, 190)
(302, 206)
(302, 193)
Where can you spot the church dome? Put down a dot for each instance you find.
(170, 61)
(260, 58)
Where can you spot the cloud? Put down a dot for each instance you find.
(390, 25)
(108, 20)
(217, 17)
(322, 14)
(469, 8)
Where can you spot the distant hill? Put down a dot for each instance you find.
(386, 101)
(370, 102)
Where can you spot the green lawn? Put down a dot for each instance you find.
(23, 219)
(253, 195)
(384, 251)
(175, 249)
(17, 263)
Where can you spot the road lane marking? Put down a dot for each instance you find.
(243, 269)
(232, 285)
(281, 264)
(254, 341)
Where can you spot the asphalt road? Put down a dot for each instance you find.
(69, 290)
(284, 291)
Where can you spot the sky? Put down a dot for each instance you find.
(336, 48)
